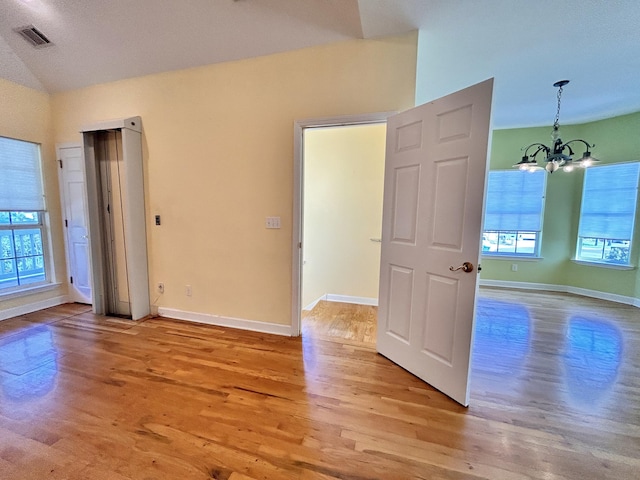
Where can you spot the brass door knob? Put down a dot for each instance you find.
(465, 267)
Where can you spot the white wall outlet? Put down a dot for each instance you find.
(187, 290)
(160, 287)
(272, 222)
(514, 267)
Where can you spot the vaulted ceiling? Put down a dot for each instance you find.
(525, 45)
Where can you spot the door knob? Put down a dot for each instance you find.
(465, 267)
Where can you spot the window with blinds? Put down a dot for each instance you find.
(513, 213)
(607, 213)
(22, 207)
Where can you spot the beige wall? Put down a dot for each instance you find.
(25, 114)
(343, 186)
(218, 153)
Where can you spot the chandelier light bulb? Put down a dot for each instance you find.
(551, 166)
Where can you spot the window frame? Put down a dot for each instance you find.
(580, 239)
(42, 227)
(36, 203)
(518, 233)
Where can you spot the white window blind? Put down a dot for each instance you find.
(515, 201)
(609, 200)
(20, 176)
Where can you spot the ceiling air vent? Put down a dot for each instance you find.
(34, 36)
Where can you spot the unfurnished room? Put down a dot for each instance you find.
(319, 239)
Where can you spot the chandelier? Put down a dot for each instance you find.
(559, 154)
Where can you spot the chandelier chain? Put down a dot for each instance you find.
(556, 123)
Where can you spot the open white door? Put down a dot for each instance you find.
(74, 200)
(435, 173)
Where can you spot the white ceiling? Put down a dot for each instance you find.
(525, 45)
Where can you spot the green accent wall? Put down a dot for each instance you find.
(617, 140)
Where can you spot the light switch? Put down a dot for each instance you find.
(272, 222)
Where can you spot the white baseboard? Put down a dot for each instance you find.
(33, 307)
(315, 302)
(612, 297)
(220, 321)
(331, 297)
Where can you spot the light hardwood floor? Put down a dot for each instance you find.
(555, 395)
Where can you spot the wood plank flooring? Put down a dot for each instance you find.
(341, 321)
(555, 395)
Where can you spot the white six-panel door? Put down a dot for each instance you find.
(72, 186)
(435, 173)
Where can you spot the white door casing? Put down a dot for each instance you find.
(435, 173)
(74, 207)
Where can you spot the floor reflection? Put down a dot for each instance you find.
(309, 354)
(28, 363)
(502, 336)
(592, 358)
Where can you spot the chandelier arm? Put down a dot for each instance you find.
(541, 147)
(566, 145)
(587, 144)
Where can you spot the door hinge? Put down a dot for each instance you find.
(299, 244)
(60, 161)
(66, 223)
(71, 279)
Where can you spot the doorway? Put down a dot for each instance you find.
(117, 224)
(435, 171)
(341, 162)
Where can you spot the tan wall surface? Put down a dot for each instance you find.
(218, 153)
(343, 186)
(25, 114)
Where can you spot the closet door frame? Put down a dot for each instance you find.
(133, 207)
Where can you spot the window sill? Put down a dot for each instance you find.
(29, 291)
(512, 257)
(612, 266)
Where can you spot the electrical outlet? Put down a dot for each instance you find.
(160, 287)
(514, 267)
(187, 290)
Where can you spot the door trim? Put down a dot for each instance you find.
(296, 237)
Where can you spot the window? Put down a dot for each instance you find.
(513, 213)
(609, 199)
(22, 214)
(21, 252)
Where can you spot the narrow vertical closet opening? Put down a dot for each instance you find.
(108, 148)
(117, 224)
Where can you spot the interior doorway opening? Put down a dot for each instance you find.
(342, 189)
